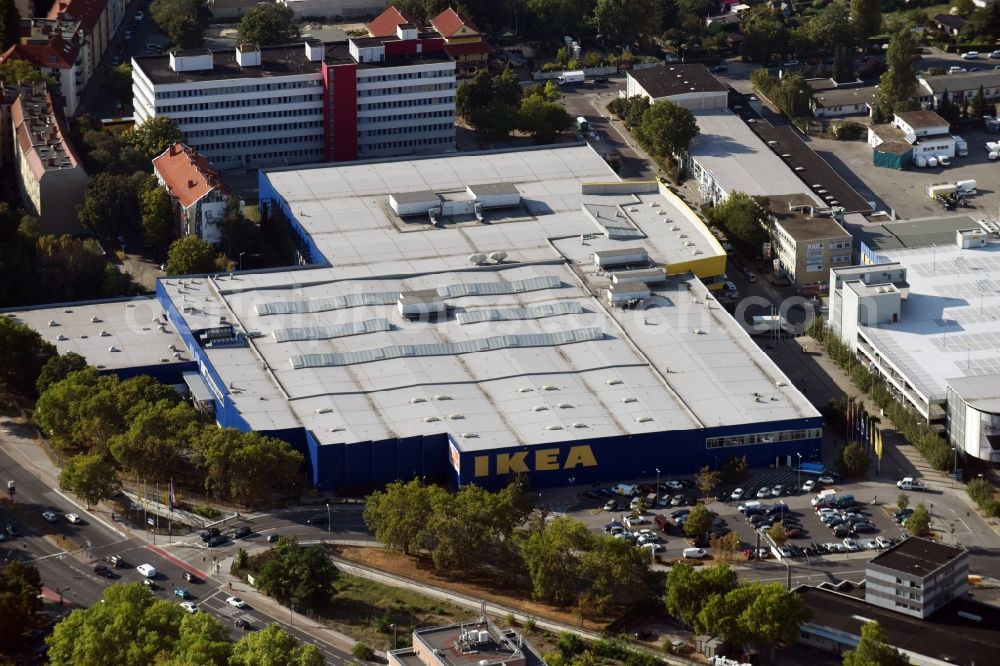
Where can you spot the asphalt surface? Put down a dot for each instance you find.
(65, 555)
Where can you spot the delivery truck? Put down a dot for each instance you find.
(937, 190)
(571, 78)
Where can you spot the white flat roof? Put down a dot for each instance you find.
(544, 361)
(738, 159)
(131, 327)
(950, 324)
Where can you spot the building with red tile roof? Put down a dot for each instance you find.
(196, 188)
(384, 25)
(49, 174)
(463, 40)
(94, 23)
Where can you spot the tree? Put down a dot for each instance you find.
(10, 24)
(20, 603)
(552, 557)
(119, 83)
(688, 589)
(542, 119)
(560, 17)
(261, 466)
(109, 205)
(266, 25)
(919, 522)
(189, 256)
(400, 515)
(22, 72)
(274, 645)
(978, 106)
(302, 576)
(736, 466)
(902, 501)
(777, 533)
(157, 220)
(157, 134)
(699, 521)
(623, 22)
(983, 23)
(489, 104)
(767, 615)
(130, 627)
(615, 568)
(79, 411)
(182, 20)
(764, 35)
(843, 65)
(629, 109)
(793, 96)
(155, 439)
(827, 30)
(946, 108)
(866, 17)
(854, 458)
(91, 476)
(873, 649)
(25, 354)
(57, 368)
(666, 129)
(744, 217)
(706, 479)
(896, 86)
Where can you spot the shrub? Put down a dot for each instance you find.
(569, 644)
(206, 511)
(510, 620)
(529, 624)
(382, 624)
(362, 651)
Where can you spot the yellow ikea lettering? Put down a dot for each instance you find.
(482, 466)
(580, 456)
(512, 462)
(546, 460)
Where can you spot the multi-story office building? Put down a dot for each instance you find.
(53, 46)
(307, 102)
(806, 240)
(917, 576)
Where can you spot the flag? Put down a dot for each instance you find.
(878, 444)
(173, 499)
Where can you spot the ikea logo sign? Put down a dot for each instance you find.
(538, 460)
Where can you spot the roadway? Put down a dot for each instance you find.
(65, 555)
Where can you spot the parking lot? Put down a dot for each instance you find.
(905, 191)
(793, 506)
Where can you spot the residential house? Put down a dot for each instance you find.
(949, 24)
(385, 24)
(49, 175)
(462, 40)
(196, 189)
(833, 100)
(911, 134)
(94, 26)
(960, 86)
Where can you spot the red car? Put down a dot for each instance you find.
(793, 533)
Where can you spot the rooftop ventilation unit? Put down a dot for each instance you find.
(613, 382)
(113, 349)
(554, 427)
(61, 337)
(628, 399)
(97, 320)
(579, 425)
(550, 387)
(477, 259)
(497, 257)
(324, 410)
(442, 397)
(525, 389)
(469, 435)
(539, 408)
(456, 417)
(105, 334)
(418, 399)
(431, 419)
(565, 405)
(643, 419)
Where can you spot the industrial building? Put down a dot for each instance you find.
(477, 643)
(922, 311)
(690, 86)
(473, 316)
(806, 240)
(308, 102)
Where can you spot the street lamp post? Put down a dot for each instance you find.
(291, 614)
(328, 521)
(241, 260)
(798, 477)
(393, 636)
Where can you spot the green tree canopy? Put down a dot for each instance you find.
(57, 368)
(688, 589)
(666, 129)
(265, 25)
(827, 30)
(155, 439)
(191, 255)
(873, 649)
(707, 479)
(20, 603)
(25, 354)
(262, 466)
(896, 86)
(744, 217)
(561, 17)
(767, 615)
(109, 205)
(617, 571)
(542, 119)
(155, 135)
(983, 23)
(91, 476)
(157, 220)
(764, 35)
(919, 522)
(793, 96)
(302, 576)
(552, 556)
(699, 521)
(866, 17)
(400, 515)
(623, 22)
(272, 646)
(854, 460)
(182, 20)
(10, 24)
(119, 83)
(22, 72)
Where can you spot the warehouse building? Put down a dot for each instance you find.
(470, 317)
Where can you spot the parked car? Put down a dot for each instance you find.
(718, 69)
(679, 512)
(242, 624)
(49, 516)
(209, 533)
(139, 15)
(674, 485)
(808, 486)
(763, 492)
(777, 490)
(236, 602)
(73, 518)
(610, 505)
(826, 478)
(793, 532)
(694, 553)
(272, 538)
(737, 494)
(970, 55)
(104, 570)
(635, 503)
(865, 527)
(181, 592)
(147, 570)
(189, 577)
(150, 584)
(189, 606)
(217, 540)
(750, 276)
(994, 54)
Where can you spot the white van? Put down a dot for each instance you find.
(146, 570)
(966, 186)
(626, 489)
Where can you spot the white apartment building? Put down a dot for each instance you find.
(307, 102)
